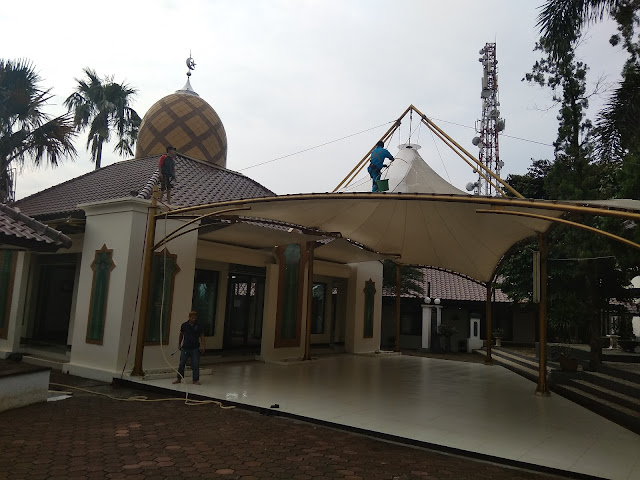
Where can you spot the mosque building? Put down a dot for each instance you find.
(248, 280)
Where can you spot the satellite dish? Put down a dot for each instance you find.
(470, 186)
(475, 141)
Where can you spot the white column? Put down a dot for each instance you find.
(426, 327)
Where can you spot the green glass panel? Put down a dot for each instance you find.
(160, 298)
(102, 265)
(292, 256)
(369, 296)
(318, 300)
(6, 267)
(205, 299)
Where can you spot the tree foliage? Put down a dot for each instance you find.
(104, 107)
(585, 271)
(411, 278)
(26, 131)
(562, 23)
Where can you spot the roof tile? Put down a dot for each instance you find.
(198, 183)
(448, 285)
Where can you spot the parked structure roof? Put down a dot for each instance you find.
(447, 285)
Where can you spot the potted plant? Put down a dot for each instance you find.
(498, 334)
(447, 331)
(567, 362)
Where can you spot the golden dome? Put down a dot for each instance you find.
(185, 121)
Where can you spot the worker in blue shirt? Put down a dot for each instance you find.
(378, 154)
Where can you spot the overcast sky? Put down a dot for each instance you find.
(288, 75)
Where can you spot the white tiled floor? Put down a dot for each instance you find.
(469, 406)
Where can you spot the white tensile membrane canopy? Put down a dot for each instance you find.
(421, 220)
(409, 173)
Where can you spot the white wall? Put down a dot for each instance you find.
(17, 309)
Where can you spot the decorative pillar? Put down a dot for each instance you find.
(307, 335)
(488, 360)
(146, 284)
(426, 327)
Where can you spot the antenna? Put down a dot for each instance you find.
(490, 125)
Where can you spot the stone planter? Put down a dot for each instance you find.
(498, 341)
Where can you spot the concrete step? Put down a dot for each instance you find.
(52, 363)
(622, 399)
(522, 366)
(615, 383)
(626, 417)
(525, 361)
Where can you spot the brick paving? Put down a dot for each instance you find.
(94, 437)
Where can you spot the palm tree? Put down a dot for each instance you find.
(25, 130)
(104, 106)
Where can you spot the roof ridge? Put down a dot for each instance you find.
(233, 172)
(38, 227)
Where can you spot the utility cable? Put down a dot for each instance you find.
(503, 134)
(439, 154)
(317, 146)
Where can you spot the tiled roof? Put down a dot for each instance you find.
(197, 183)
(452, 286)
(19, 230)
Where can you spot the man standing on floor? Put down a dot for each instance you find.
(190, 344)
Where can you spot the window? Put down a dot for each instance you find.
(163, 272)
(205, 299)
(318, 302)
(102, 266)
(288, 317)
(369, 303)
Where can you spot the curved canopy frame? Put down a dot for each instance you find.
(443, 231)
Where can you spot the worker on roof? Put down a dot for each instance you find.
(167, 168)
(378, 155)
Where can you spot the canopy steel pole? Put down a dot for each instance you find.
(506, 185)
(488, 360)
(475, 169)
(494, 201)
(398, 292)
(566, 222)
(543, 387)
(348, 179)
(146, 280)
(307, 335)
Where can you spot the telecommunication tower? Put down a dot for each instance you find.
(488, 127)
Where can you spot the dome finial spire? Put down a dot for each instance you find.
(191, 65)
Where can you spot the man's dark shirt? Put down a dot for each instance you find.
(191, 335)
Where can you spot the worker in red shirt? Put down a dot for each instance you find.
(167, 168)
